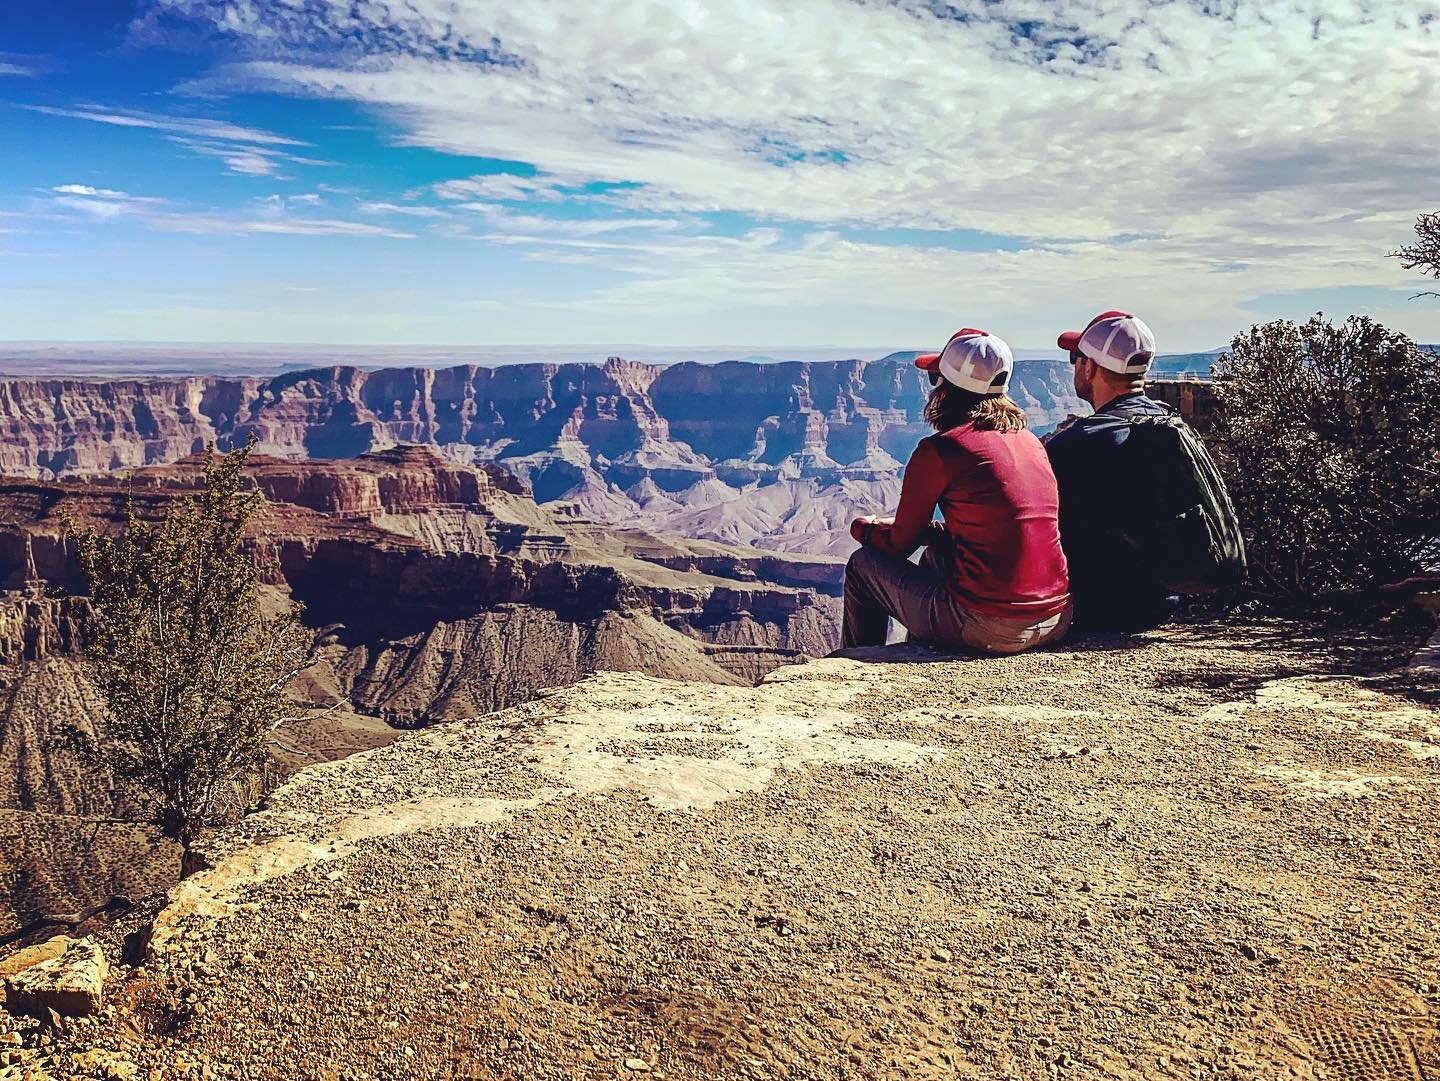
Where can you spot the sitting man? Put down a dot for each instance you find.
(993, 576)
(1141, 504)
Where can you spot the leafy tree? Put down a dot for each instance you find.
(192, 668)
(1424, 254)
(1329, 438)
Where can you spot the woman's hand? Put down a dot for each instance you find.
(860, 527)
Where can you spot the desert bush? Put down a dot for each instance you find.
(1329, 439)
(1424, 254)
(189, 664)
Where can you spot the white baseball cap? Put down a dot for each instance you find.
(973, 360)
(1117, 341)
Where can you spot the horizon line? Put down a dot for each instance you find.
(614, 349)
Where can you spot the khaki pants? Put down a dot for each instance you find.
(879, 587)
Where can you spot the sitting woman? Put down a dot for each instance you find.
(993, 576)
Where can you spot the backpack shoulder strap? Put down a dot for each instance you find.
(1167, 413)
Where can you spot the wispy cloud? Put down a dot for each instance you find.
(409, 210)
(7, 68)
(180, 125)
(102, 204)
(246, 160)
(505, 220)
(241, 160)
(284, 215)
(101, 209)
(1073, 118)
(509, 187)
(240, 225)
(86, 189)
(246, 151)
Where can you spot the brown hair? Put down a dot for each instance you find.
(949, 407)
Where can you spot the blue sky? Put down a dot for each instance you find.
(746, 172)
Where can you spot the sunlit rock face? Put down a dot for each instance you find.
(778, 455)
(435, 590)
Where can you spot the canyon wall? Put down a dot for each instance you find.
(778, 455)
(630, 420)
(435, 591)
(389, 548)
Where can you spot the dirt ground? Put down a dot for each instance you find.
(1208, 854)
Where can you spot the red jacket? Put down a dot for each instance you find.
(1001, 509)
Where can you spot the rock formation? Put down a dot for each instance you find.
(69, 982)
(693, 447)
(436, 590)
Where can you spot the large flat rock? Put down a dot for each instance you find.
(65, 976)
(1207, 854)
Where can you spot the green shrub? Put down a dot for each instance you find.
(1329, 439)
(191, 668)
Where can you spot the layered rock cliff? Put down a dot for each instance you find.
(400, 545)
(622, 442)
(435, 590)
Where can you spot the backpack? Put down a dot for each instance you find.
(1189, 536)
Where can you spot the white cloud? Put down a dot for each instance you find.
(409, 210)
(245, 160)
(508, 187)
(15, 69)
(241, 160)
(246, 151)
(218, 224)
(103, 204)
(1072, 118)
(101, 209)
(1193, 154)
(194, 127)
(277, 206)
(271, 214)
(508, 221)
(86, 189)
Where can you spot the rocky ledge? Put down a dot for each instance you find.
(1208, 854)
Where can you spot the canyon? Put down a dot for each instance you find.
(656, 836)
(435, 591)
(774, 455)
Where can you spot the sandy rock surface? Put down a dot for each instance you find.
(64, 977)
(1211, 854)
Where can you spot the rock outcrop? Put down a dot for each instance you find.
(689, 446)
(435, 590)
(397, 547)
(1206, 853)
(64, 976)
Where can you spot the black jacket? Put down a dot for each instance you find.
(1099, 500)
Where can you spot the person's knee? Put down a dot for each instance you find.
(858, 561)
(861, 566)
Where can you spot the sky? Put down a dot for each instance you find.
(709, 172)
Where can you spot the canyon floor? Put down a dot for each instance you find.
(1208, 853)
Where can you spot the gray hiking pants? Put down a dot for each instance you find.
(879, 587)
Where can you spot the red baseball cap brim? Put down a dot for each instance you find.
(930, 362)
